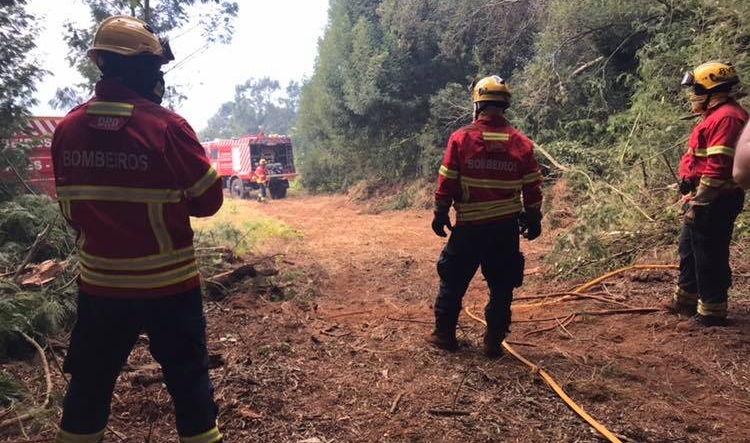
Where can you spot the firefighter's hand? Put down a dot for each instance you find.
(530, 225)
(441, 221)
(686, 187)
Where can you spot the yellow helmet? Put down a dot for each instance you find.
(491, 89)
(711, 75)
(129, 36)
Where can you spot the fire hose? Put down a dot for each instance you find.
(612, 438)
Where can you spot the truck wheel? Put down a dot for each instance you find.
(237, 188)
(277, 189)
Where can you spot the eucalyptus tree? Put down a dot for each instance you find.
(215, 21)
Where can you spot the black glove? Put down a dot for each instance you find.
(686, 187)
(441, 221)
(530, 225)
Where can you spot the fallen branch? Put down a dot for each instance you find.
(38, 241)
(18, 176)
(566, 321)
(572, 316)
(394, 406)
(447, 412)
(520, 343)
(36, 440)
(409, 320)
(345, 314)
(47, 378)
(551, 159)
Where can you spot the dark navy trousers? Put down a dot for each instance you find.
(104, 335)
(704, 250)
(495, 248)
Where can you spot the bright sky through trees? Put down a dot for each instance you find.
(276, 39)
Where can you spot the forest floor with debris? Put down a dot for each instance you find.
(331, 349)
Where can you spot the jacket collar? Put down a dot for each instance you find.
(113, 89)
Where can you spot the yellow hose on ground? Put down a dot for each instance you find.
(548, 378)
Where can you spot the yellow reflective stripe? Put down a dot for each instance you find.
(713, 309)
(146, 281)
(447, 173)
(81, 241)
(532, 177)
(211, 436)
(725, 150)
(684, 298)
(66, 209)
(110, 108)
(69, 437)
(137, 264)
(156, 217)
(478, 206)
(495, 136)
(491, 184)
(118, 193)
(465, 193)
(489, 213)
(712, 182)
(700, 152)
(202, 185)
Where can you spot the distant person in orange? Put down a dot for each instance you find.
(261, 177)
(713, 200)
(491, 178)
(129, 174)
(741, 168)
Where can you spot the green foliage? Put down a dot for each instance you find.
(10, 390)
(41, 311)
(21, 220)
(215, 20)
(256, 108)
(238, 227)
(18, 73)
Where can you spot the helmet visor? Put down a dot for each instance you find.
(688, 79)
(166, 49)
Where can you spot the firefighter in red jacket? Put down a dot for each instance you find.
(261, 178)
(713, 198)
(491, 178)
(129, 174)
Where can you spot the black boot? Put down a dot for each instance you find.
(443, 340)
(497, 315)
(444, 334)
(493, 343)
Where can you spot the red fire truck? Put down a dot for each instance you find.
(236, 159)
(40, 177)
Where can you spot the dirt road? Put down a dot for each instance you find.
(342, 357)
(356, 369)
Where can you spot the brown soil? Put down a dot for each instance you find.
(342, 358)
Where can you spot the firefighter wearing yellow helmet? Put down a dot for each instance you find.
(127, 48)
(491, 179)
(129, 175)
(713, 200)
(711, 83)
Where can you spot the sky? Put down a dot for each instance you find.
(277, 39)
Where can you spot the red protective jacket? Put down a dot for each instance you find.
(260, 174)
(129, 173)
(708, 160)
(488, 167)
